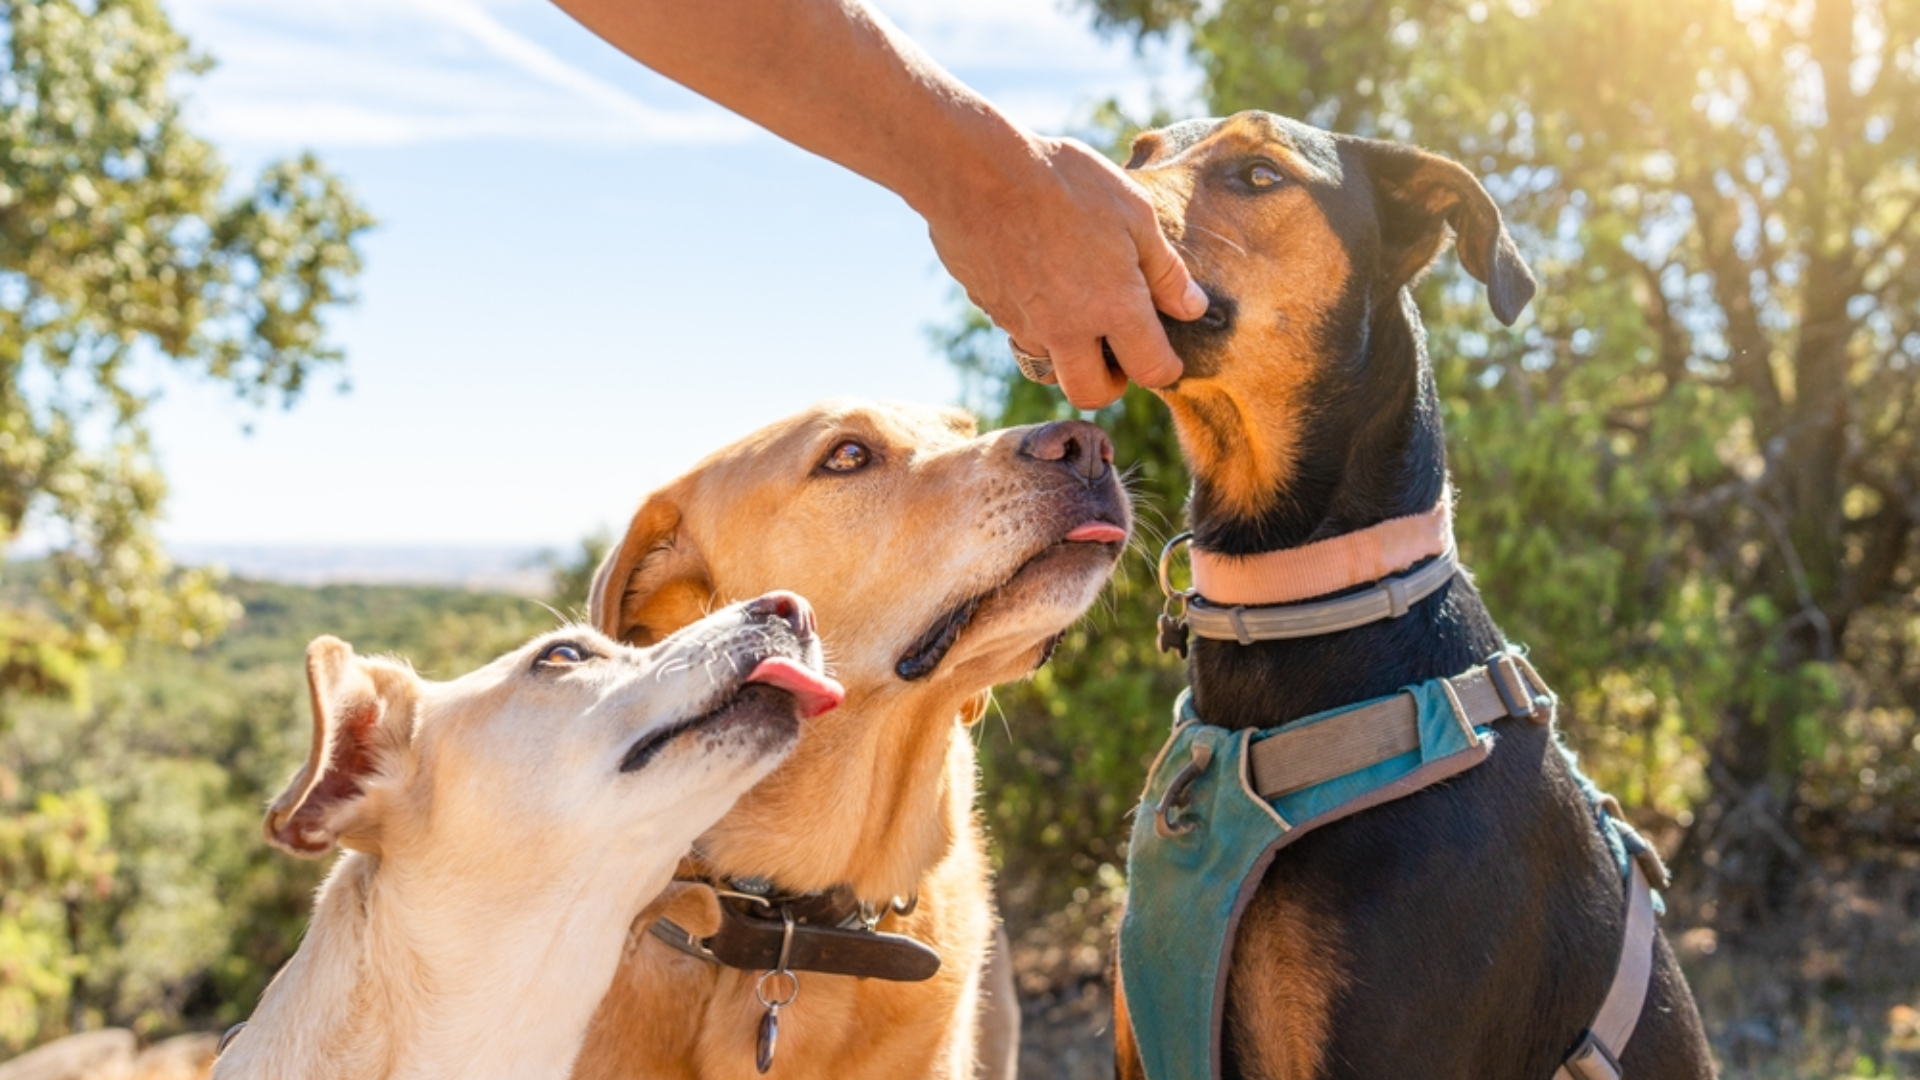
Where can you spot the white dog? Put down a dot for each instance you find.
(506, 832)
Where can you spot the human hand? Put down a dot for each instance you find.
(1062, 252)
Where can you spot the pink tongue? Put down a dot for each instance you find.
(1097, 532)
(814, 692)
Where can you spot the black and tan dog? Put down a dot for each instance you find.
(1470, 930)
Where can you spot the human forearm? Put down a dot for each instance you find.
(833, 77)
(1057, 245)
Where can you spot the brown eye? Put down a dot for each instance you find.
(1261, 174)
(561, 654)
(847, 457)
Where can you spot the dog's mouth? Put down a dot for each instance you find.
(779, 692)
(923, 657)
(1199, 343)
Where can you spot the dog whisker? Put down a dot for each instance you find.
(1218, 236)
(558, 616)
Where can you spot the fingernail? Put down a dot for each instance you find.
(1196, 300)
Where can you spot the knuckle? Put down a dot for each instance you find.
(1167, 267)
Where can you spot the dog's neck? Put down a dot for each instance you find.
(1392, 464)
(875, 806)
(407, 976)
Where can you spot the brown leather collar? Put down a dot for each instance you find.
(832, 933)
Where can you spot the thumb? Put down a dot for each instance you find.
(1173, 289)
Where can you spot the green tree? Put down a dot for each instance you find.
(54, 860)
(146, 898)
(1689, 476)
(122, 249)
(1064, 753)
(119, 244)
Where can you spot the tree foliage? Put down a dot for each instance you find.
(144, 896)
(121, 247)
(1062, 753)
(1689, 475)
(123, 251)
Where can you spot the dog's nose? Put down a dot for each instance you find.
(1078, 445)
(790, 608)
(1193, 340)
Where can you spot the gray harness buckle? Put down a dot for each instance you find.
(1511, 684)
(1591, 1060)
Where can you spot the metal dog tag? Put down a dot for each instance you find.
(769, 1040)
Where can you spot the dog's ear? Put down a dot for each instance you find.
(654, 581)
(362, 719)
(690, 905)
(1418, 195)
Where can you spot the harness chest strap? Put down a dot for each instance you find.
(1301, 757)
(1292, 781)
(1597, 1057)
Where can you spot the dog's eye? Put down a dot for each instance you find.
(848, 456)
(1262, 174)
(562, 654)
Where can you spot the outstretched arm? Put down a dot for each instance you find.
(1052, 240)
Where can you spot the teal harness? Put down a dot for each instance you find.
(1220, 804)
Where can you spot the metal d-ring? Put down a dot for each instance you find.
(1165, 823)
(735, 894)
(1166, 564)
(786, 940)
(768, 1001)
(768, 1039)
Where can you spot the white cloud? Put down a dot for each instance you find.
(357, 72)
(383, 72)
(540, 64)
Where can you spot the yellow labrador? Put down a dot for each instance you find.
(940, 562)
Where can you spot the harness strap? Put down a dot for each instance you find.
(1301, 757)
(1221, 804)
(1597, 1056)
(1388, 599)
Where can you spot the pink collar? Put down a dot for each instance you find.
(1326, 566)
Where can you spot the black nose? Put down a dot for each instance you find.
(790, 608)
(1209, 331)
(1078, 445)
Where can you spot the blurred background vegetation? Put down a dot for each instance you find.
(1688, 480)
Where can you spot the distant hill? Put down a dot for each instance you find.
(521, 571)
(154, 782)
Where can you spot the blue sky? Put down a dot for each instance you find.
(584, 278)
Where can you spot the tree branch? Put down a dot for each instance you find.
(1674, 343)
(1733, 290)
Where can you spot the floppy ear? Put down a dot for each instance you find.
(654, 581)
(362, 719)
(690, 905)
(1418, 195)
